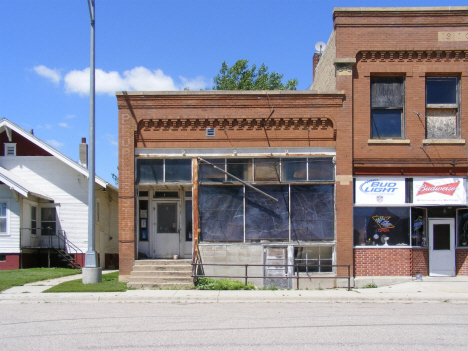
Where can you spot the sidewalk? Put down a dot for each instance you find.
(430, 289)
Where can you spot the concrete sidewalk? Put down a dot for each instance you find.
(430, 289)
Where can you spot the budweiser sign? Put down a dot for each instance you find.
(447, 189)
(439, 191)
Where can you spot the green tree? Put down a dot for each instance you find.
(241, 77)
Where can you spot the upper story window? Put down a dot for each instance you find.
(387, 103)
(152, 170)
(442, 101)
(10, 149)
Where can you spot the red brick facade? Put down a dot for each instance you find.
(462, 261)
(12, 261)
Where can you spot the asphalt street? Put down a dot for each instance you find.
(234, 326)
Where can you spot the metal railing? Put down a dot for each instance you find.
(297, 275)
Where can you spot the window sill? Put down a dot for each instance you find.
(383, 247)
(444, 141)
(389, 141)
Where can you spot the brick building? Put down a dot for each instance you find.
(406, 71)
(368, 168)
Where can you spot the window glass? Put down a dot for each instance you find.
(314, 259)
(3, 217)
(463, 227)
(167, 217)
(188, 220)
(239, 167)
(178, 170)
(150, 170)
(267, 169)
(143, 206)
(33, 219)
(418, 227)
(48, 224)
(441, 90)
(294, 169)
(210, 174)
(312, 212)
(221, 213)
(441, 237)
(321, 169)
(386, 124)
(266, 219)
(376, 226)
(441, 123)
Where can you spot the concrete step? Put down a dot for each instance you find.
(161, 273)
(148, 268)
(171, 280)
(142, 285)
(162, 262)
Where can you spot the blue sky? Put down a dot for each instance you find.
(144, 45)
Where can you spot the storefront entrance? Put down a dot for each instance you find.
(442, 247)
(165, 228)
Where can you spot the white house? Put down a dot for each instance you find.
(44, 205)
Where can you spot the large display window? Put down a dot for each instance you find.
(381, 226)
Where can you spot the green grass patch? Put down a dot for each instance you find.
(370, 286)
(110, 283)
(222, 284)
(19, 277)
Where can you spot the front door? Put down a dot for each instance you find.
(166, 229)
(442, 247)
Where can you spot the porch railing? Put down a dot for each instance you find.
(297, 276)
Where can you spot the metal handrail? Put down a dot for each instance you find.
(296, 266)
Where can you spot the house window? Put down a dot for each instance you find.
(442, 120)
(33, 219)
(3, 218)
(387, 102)
(10, 149)
(48, 221)
(2, 258)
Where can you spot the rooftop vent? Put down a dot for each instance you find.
(210, 132)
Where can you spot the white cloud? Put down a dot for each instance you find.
(111, 139)
(64, 125)
(193, 84)
(70, 116)
(55, 143)
(51, 74)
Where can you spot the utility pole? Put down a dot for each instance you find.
(91, 272)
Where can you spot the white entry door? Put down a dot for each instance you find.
(442, 247)
(165, 235)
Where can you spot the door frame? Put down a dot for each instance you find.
(154, 224)
(449, 256)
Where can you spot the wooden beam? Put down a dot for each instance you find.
(195, 213)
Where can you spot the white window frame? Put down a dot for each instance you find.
(7, 216)
(55, 206)
(7, 146)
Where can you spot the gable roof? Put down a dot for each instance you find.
(20, 185)
(7, 126)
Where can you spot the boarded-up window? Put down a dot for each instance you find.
(442, 108)
(387, 102)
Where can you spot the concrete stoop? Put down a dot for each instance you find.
(161, 274)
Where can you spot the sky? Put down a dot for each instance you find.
(145, 45)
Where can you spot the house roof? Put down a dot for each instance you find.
(20, 185)
(7, 126)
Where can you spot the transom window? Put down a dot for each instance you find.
(442, 110)
(154, 170)
(387, 103)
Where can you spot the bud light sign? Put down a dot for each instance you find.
(380, 191)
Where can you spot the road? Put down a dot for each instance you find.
(233, 326)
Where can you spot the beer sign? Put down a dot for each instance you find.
(439, 191)
(380, 191)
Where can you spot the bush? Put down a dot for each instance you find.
(204, 283)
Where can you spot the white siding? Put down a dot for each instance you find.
(10, 243)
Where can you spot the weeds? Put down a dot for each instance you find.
(222, 284)
(370, 286)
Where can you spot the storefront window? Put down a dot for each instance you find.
(463, 227)
(418, 227)
(381, 226)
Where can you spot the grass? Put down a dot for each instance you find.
(19, 277)
(370, 286)
(222, 284)
(110, 283)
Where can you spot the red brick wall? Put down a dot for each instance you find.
(462, 261)
(382, 262)
(12, 261)
(420, 261)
